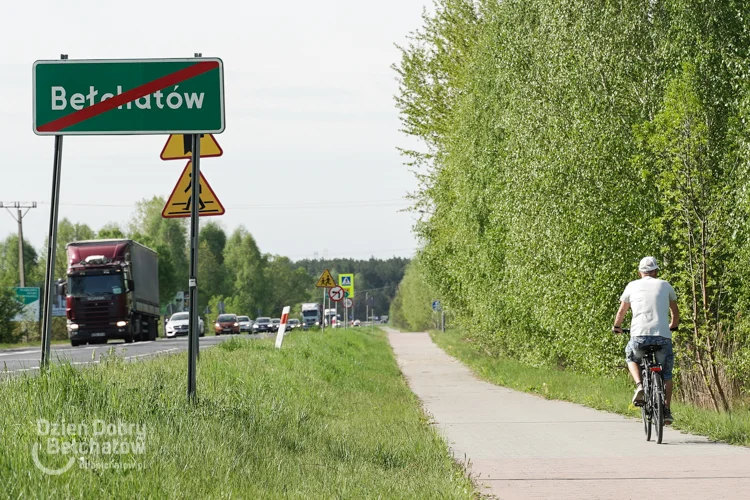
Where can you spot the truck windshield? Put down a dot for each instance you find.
(102, 284)
(310, 314)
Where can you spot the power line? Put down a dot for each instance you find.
(335, 205)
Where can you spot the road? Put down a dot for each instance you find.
(16, 361)
(518, 445)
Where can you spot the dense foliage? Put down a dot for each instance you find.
(566, 139)
(411, 308)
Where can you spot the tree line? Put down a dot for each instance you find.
(231, 268)
(564, 140)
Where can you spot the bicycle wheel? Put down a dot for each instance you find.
(646, 408)
(658, 406)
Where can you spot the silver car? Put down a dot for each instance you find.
(246, 324)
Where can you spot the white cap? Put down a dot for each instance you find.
(648, 264)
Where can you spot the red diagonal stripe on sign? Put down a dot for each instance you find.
(128, 96)
(284, 318)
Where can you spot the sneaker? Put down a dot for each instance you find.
(668, 418)
(638, 396)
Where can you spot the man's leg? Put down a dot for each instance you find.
(635, 371)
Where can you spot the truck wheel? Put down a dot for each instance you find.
(75, 343)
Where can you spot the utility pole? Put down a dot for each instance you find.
(19, 206)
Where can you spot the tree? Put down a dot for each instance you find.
(9, 275)
(286, 286)
(245, 264)
(702, 218)
(9, 307)
(110, 230)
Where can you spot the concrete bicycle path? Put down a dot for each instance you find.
(517, 445)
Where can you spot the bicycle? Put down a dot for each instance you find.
(654, 396)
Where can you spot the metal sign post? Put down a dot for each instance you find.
(194, 322)
(49, 275)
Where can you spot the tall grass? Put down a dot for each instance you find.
(328, 416)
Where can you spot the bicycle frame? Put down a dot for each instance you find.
(654, 396)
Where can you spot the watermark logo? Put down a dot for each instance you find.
(96, 444)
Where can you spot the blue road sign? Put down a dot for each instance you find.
(435, 305)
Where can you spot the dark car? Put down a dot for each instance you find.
(275, 323)
(262, 325)
(227, 323)
(293, 324)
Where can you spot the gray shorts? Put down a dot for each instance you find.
(665, 356)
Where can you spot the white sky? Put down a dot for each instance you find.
(309, 98)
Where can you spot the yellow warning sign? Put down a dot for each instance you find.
(180, 147)
(326, 280)
(179, 203)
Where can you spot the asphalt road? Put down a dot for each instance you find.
(16, 361)
(518, 445)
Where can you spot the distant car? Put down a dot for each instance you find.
(262, 325)
(294, 324)
(178, 325)
(275, 323)
(227, 323)
(356, 322)
(246, 324)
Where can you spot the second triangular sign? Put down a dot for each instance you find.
(179, 202)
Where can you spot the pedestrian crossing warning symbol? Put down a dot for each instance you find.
(179, 203)
(180, 147)
(326, 280)
(346, 281)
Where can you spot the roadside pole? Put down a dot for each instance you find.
(49, 275)
(443, 320)
(194, 323)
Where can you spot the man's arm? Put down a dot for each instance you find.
(675, 315)
(620, 316)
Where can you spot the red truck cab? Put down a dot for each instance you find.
(112, 291)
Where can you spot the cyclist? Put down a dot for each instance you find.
(651, 299)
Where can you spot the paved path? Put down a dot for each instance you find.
(16, 361)
(522, 446)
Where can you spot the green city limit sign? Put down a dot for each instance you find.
(128, 96)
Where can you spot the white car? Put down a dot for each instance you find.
(178, 325)
(246, 324)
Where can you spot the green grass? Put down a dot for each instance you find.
(328, 416)
(609, 394)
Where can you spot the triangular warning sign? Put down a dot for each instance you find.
(326, 280)
(180, 147)
(179, 202)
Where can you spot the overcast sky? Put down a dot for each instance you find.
(309, 98)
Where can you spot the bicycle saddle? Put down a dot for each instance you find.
(651, 348)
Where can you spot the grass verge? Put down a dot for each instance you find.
(327, 416)
(609, 394)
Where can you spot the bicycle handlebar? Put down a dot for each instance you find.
(627, 330)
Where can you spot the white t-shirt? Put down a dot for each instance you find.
(649, 299)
